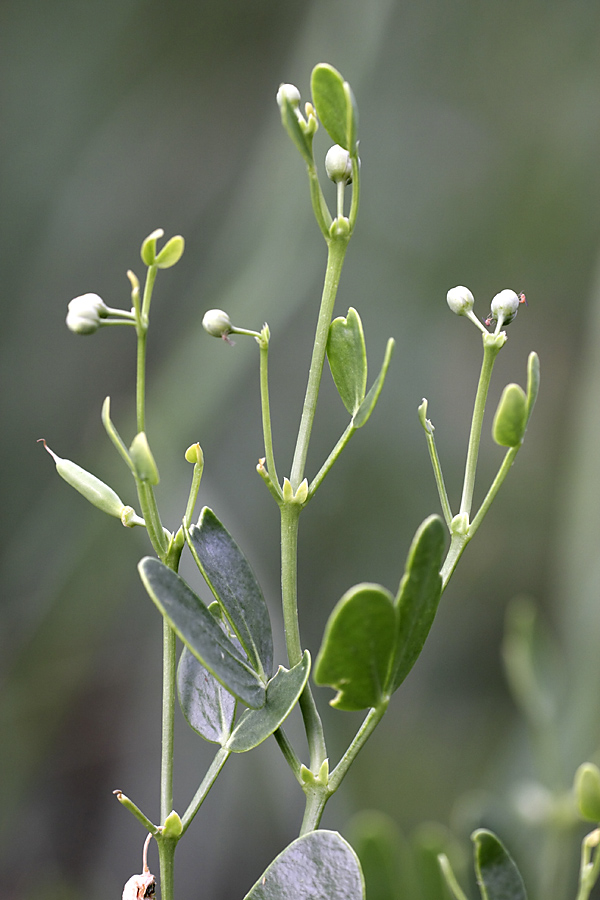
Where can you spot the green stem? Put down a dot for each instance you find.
(335, 261)
(266, 411)
(372, 719)
(209, 779)
(507, 462)
(290, 514)
(355, 192)
(166, 856)
(320, 208)
(130, 805)
(289, 753)
(458, 542)
(327, 465)
(168, 720)
(491, 346)
(439, 477)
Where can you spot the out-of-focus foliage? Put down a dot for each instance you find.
(480, 142)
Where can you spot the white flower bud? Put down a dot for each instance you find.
(290, 93)
(217, 323)
(460, 300)
(505, 306)
(85, 313)
(338, 164)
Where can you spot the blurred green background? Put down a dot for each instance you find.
(480, 146)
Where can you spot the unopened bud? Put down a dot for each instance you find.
(338, 164)
(460, 300)
(172, 827)
(505, 306)
(290, 93)
(85, 314)
(217, 323)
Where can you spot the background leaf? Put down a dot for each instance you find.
(207, 706)
(418, 597)
(283, 690)
(318, 866)
(200, 632)
(232, 581)
(357, 646)
(347, 357)
(497, 875)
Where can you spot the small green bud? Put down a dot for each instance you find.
(85, 314)
(510, 420)
(460, 524)
(338, 164)
(217, 323)
(298, 498)
(95, 491)
(460, 300)
(171, 253)
(142, 459)
(148, 251)
(172, 827)
(587, 791)
(340, 227)
(194, 454)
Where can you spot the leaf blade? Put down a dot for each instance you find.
(334, 105)
(208, 708)
(197, 628)
(347, 355)
(232, 581)
(497, 875)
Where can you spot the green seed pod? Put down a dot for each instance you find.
(587, 791)
(142, 459)
(510, 420)
(97, 492)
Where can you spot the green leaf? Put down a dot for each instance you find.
(533, 381)
(320, 865)
(511, 417)
(208, 708)
(171, 253)
(357, 647)
(232, 581)
(497, 874)
(335, 106)
(283, 690)
(418, 598)
(587, 791)
(369, 403)
(200, 632)
(347, 357)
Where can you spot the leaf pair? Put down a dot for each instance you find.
(335, 105)
(515, 407)
(347, 355)
(372, 640)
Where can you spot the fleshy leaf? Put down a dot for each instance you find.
(369, 403)
(283, 690)
(418, 597)
(510, 420)
(497, 875)
(357, 647)
(533, 381)
(200, 632)
(208, 708)
(335, 105)
(232, 581)
(320, 865)
(347, 357)
(587, 791)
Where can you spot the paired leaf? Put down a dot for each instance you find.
(357, 646)
(320, 865)
(368, 405)
(335, 105)
(497, 874)
(372, 641)
(283, 690)
(418, 597)
(510, 420)
(232, 581)
(200, 632)
(208, 708)
(347, 357)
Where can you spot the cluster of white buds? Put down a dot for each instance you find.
(86, 313)
(338, 164)
(505, 306)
